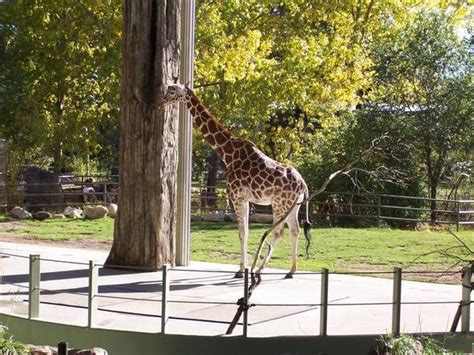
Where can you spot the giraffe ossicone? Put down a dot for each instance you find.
(252, 177)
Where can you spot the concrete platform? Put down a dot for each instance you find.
(203, 296)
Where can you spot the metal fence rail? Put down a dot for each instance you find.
(330, 207)
(165, 296)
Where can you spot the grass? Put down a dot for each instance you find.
(65, 229)
(338, 249)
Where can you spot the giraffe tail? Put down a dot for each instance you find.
(307, 225)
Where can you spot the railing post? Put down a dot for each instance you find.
(323, 315)
(165, 286)
(93, 290)
(246, 300)
(397, 300)
(466, 299)
(34, 287)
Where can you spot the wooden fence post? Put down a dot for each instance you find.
(397, 300)
(106, 202)
(458, 210)
(379, 209)
(323, 315)
(466, 299)
(165, 286)
(34, 287)
(246, 300)
(93, 290)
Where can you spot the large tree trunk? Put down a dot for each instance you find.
(145, 225)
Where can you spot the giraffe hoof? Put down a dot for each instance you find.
(289, 275)
(239, 275)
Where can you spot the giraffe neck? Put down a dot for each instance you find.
(214, 132)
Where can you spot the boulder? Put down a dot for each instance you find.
(261, 218)
(95, 212)
(41, 215)
(230, 217)
(42, 189)
(196, 218)
(42, 350)
(50, 350)
(20, 213)
(112, 210)
(57, 216)
(214, 217)
(71, 212)
(93, 351)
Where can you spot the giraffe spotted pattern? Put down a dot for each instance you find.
(252, 177)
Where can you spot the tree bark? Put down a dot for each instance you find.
(144, 232)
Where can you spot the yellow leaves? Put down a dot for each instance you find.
(46, 18)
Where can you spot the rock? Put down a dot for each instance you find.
(95, 212)
(93, 351)
(71, 212)
(230, 217)
(42, 350)
(42, 189)
(57, 216)
(20, 213)
(112, 210)
(41, 215)
(261, 218)
(49, 350)
(214, 217)
(196, 218)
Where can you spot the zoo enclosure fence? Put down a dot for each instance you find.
(330, 208)
(165, 295)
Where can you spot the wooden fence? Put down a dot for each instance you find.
(330, 208)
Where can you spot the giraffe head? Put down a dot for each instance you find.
(174, 93)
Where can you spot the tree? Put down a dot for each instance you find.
(59, 66)
(424, 84)
(256, 59)
(145, 225)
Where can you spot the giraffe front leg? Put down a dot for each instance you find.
(242, 212)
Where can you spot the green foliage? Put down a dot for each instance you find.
(60, 68)
(286, 74)
(256, 58)
(9, 346)
(407, 344)
(423, 92)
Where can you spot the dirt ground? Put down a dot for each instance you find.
(84, 243)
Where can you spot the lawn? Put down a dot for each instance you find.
(338, 249)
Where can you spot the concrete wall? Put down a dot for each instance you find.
(131, 343)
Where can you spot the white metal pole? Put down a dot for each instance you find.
(34, 287)
(93, 291)
(183, 218)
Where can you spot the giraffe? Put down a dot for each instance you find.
(252, 177)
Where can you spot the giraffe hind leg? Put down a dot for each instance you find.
(294, 228)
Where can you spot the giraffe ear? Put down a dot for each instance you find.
(187, 84)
